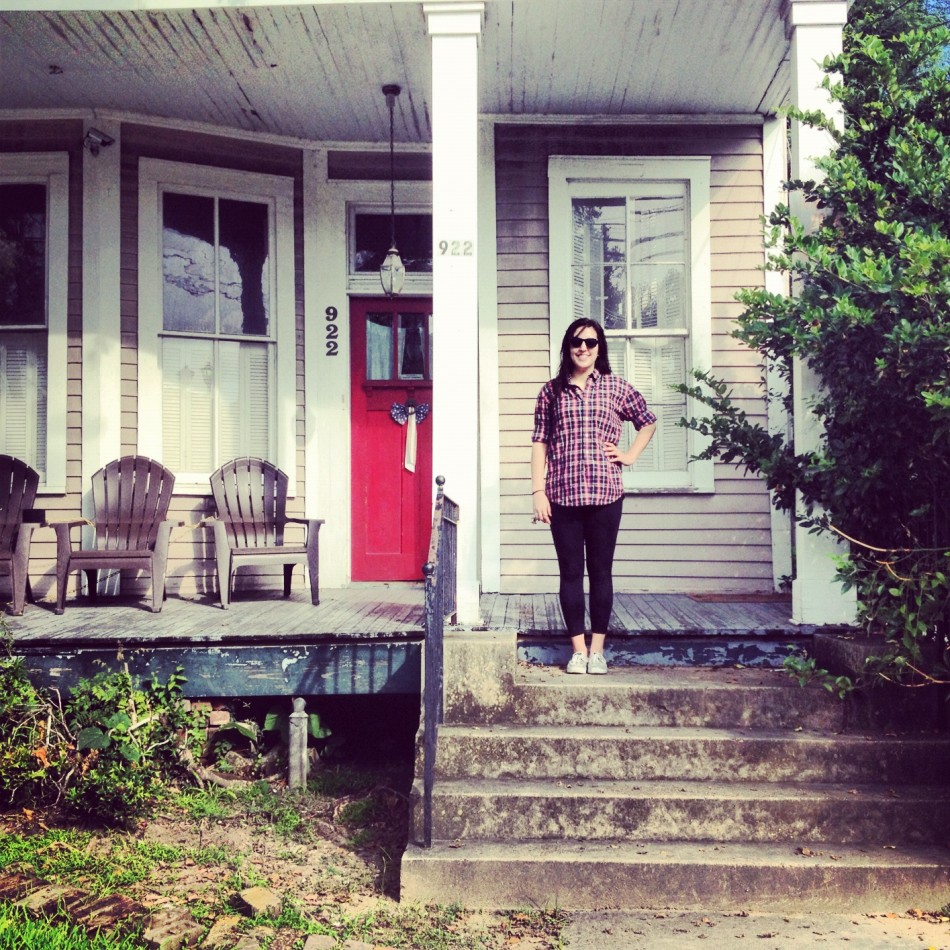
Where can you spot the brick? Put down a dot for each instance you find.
(223, 933)
(320, 942)
(260, 900)
(13, 887)
(171, 929)
(107, 913)
(46, 900)
(247, 942)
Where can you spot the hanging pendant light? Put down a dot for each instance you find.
(392, 273)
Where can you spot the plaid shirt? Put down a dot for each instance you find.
(575, 428)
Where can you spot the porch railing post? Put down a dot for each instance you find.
(440, 599)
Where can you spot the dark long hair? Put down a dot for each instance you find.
(566, 369)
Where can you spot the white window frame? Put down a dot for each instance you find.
(52, 170)
(155, 176)
(582, 176)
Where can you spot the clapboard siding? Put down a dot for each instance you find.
(668, 541)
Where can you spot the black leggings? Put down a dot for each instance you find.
(591, 528)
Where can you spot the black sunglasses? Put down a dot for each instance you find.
(579, 342)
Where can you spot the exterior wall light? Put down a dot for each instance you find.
(392, 273)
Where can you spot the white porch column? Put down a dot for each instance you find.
(816, 27)
(454, 26)
(101, 336)
(775, 169)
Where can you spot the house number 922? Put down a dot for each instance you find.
(333, 332)
(457, 248)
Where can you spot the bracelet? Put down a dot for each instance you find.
(537, 490)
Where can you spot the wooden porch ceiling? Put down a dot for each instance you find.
(314, 70)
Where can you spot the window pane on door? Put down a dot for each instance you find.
(379, 346)
(412, 346)
(244, 278)
(188, 263)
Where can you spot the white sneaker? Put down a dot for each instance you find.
(596, 664)
(577, 663)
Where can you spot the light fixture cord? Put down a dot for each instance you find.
(391, 99)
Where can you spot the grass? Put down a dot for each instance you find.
(332, 854)
(19, 931)
(67, 856)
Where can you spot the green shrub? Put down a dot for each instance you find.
(129, 742)
(869, 317)
(106, 753)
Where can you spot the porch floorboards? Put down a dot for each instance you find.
(640, 614)
(364, 612)
(380, 611)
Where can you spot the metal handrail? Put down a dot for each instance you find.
(441, 581)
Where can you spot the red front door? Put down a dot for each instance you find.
(391, 407)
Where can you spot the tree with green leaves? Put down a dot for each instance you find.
(869, 315)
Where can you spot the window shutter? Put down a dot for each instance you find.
(229, 401)
(187, 373)
(255, 372)
(642, 376)
(243, 400)
(671, 369)
(656, 366)
(23, 397)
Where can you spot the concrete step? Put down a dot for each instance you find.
(591, 810)
(640, 753)
(704, 877)
(727, 698)
(695, 787)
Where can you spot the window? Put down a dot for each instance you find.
(33, 282)
(217, 248)
(372, 235)
(398, 346)
(629, 248)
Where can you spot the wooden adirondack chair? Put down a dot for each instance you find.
(131, 497)
(251, 500)
(18, 484)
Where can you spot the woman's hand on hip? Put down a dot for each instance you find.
(542, 507)
(615, 455)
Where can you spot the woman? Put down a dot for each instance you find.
(576, 478)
